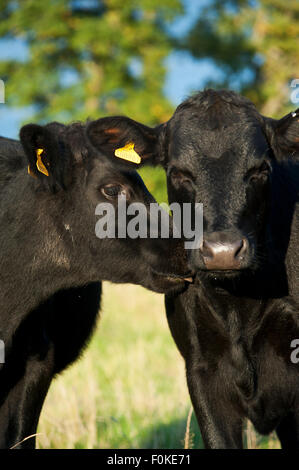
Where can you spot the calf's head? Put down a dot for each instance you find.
(74, 168)
(218, 150)
(222, 152)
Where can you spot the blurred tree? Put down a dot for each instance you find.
(255, 44)
(89, 58)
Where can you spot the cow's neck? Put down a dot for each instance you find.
(37, 256)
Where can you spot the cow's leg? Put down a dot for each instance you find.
(19, 414)
(48, 340)
(288, 432)
(219, 422)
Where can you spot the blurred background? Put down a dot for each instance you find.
(71, 60)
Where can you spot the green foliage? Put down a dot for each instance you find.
(155, 180)
(113, 50)
(261, 36)
(96, 46)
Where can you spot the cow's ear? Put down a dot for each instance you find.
(126, 141)
(48, 159)
(283, 135)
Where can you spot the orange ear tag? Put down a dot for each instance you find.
(128, 153)
(39, 163)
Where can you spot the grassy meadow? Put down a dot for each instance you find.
(128, 390)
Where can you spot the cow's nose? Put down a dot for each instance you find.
(221, 251)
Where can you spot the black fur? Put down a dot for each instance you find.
(51, 261)
(234, 328)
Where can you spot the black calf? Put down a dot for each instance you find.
(234, 326)
(51, 261)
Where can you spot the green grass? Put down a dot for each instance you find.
(128, 390)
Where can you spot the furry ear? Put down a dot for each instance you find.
(126, 141)
(283, 135)
(48, 158)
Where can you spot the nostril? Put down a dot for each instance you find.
(224, 251)
(241, 249)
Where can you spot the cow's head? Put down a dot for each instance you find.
(74, 168)
(218, 150)
(222, 152)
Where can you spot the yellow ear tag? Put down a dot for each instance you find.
(39, 163)
(128, 153)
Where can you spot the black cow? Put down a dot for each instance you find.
(235, 325)
(51, 261)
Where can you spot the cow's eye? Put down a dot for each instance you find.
(261, 174)
(111, 191)
(178, 177)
